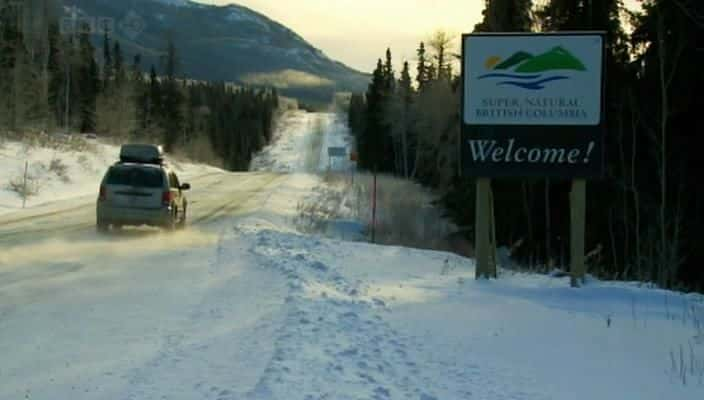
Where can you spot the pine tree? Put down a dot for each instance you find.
(405, 94)
(173, 99)
(107, 62)
(507, 16)
(422, 68)
(10, 46)
(154, 105)
(371, 142)
(88, 82)
(119, 71)
(357, 112)
(56, 68)
(141, 92)
(389, 75)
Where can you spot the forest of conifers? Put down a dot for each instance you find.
(53, 80)
(644, 217)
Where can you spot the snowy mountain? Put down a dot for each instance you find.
(230, 43)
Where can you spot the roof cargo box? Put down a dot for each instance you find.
(142, 153)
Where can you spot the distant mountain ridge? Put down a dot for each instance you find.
(223, 43)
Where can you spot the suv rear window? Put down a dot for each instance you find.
(135, 176)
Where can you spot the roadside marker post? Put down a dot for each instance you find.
(374, 209)
(334, 153)
(353, 165)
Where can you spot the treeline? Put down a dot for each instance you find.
(54, 79)
(645, 217)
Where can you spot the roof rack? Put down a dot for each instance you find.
(142, 154)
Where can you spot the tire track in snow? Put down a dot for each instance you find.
(81, 219)
(80, 207)
(236, 200)
(217, 352)
(334, 343)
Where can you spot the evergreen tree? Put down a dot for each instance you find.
(119, 70)
(172, 117)
(389, 75)
(141, 92)
(137, 74)
(422, 68)
(357, 114)
(154, 105)
(405, 85)
(652, 99)
(56, 67)
(107, 61)
(508, 16)
(371, 142)
(11, 46)
(88, 81)
(405, 98)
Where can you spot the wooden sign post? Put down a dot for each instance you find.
(578, 203)
(482, 230)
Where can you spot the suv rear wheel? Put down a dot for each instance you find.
(172, 223)
(182, 221)
(102, 227)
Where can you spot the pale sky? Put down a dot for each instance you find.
(357, 32)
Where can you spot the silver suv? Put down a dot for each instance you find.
(141, 189)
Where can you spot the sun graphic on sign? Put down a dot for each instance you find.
(492, 61)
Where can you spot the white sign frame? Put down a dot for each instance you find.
(529, 79)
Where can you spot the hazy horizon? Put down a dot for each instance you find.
(337, 30)
(335, 27)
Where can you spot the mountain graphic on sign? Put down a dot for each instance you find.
(527, 71)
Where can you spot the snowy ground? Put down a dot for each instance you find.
(63, 171)
(244, 306)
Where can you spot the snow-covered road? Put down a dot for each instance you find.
(243, 306)
(214, 195)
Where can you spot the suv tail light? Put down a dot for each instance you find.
(167, 197)
(102, 196)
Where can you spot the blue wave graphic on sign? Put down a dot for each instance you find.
(537, 85)
(510, 76)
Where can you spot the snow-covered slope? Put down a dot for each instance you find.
(247, 307)
(61, 169)
(366, 322)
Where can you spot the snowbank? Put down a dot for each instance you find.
(62, 171)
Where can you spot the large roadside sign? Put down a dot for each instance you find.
(533, 105)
